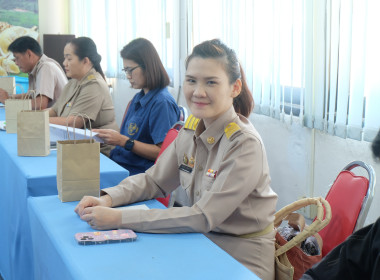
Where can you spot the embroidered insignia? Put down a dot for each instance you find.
(230, 129)
(191, 162)
(91, 77)
(185, 159)
(211, 173)
(191, 123)
(211, 140)
(132, 129)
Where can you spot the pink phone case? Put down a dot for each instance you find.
(108, 236)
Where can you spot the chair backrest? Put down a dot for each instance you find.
(350, 198)
(183, 116)
(169, 138)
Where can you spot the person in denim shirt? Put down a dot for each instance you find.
(150, 114)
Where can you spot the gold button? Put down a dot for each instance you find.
(210, 140)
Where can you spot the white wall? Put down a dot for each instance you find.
(304, 162)
(121, 93)
(53, 17)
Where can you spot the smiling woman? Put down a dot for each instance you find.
(207, 89)
(220, 162)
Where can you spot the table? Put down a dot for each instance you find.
(152, 256)
(20, 178)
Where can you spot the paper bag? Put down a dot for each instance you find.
(33, 137)
(8, 84)
(12, 107)
(78, 170)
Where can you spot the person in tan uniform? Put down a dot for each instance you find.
(45, 75)
(87, 91)
(220, 161)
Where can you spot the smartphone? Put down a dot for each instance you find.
(103, 237)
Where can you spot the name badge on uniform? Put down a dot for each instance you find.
(185, 168)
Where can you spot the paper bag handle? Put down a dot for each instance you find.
(83, 116)
(29, 94)
(35, 101)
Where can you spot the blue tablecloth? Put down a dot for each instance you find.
(20, 178)
(57, 255)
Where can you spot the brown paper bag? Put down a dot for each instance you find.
(33, 135)
(8, 84)
(78, 169)
(12, 107)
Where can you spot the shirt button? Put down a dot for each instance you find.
(197, 193)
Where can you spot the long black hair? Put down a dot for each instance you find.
(85, 47)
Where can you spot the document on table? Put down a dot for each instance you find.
(135, 207)
(62, 132)
(2, 125)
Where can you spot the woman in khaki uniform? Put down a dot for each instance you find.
(218, 158)
(87, 92)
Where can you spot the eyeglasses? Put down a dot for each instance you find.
(128, 71)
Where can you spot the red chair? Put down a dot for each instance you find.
(169, 138)
(350, 198)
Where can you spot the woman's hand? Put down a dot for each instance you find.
(102, 218)
(111, 137)
(91, 201)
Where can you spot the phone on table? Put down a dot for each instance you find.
(103, 237)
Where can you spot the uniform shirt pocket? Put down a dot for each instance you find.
(185, 179)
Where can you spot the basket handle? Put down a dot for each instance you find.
(318, 224)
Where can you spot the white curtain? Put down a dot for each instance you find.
(346, 37)
(114, 23)
(310, 62)
(307, 61)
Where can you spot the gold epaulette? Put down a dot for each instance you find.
(91, 77)
(231, 129)
(191, 123)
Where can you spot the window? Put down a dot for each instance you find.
(312, 60)
(112, 24)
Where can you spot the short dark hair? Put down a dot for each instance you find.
(142, 52)
(243, 103)
(86, 47)
(24, 43)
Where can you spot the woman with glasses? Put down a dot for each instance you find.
(87, 91)
(150, 114)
